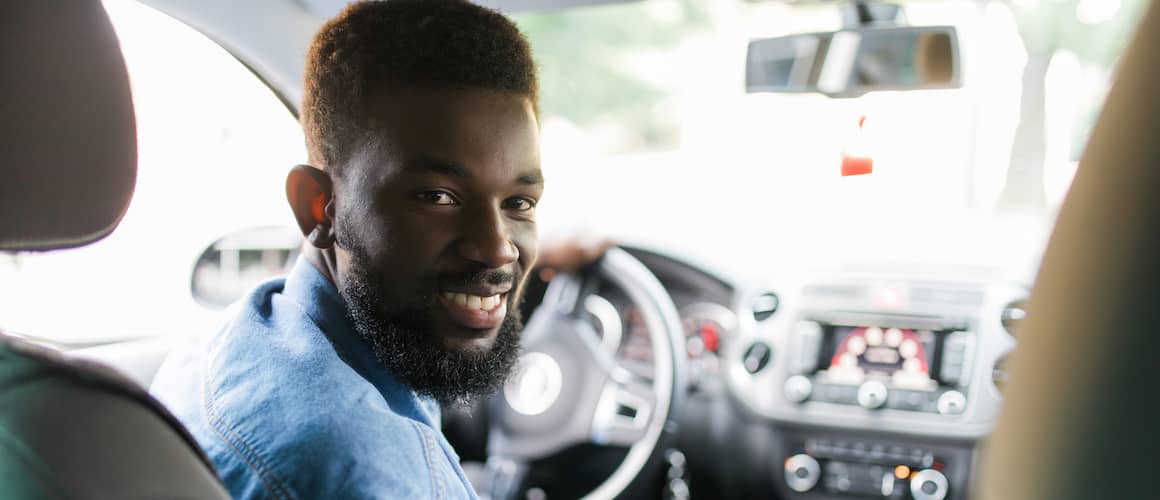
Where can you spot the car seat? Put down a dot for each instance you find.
(71, 428)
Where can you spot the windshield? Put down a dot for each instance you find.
(649, 136)
(646, 104)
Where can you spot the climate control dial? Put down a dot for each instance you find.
(928, 484)
(802, 472)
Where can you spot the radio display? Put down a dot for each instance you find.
(898, 357)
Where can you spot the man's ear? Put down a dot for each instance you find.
(310, 193)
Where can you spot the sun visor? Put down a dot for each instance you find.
(68, 141)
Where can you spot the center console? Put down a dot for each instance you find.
(878, 390)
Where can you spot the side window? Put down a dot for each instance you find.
(214, 146)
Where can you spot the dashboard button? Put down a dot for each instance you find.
(798, 389)
(916, 456)
(872, 395)
(952, 403)
(808, 344)
(823, 447)
(956, 358)
(928, 484)
(896, 453)
(802, 473)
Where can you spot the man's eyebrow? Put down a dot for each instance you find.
(531, 178)
(451, 169)
(440, 167)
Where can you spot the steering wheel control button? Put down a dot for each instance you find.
(798, 389)
(535, 385)
(928, 484)
(756, 357)
(952, 403)
(802, 473)
(872, 395)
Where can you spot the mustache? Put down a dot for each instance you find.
(493, 277)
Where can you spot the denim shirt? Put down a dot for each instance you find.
(289, 402)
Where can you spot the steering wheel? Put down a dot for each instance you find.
(568, 387)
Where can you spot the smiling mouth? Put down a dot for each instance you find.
(477, 302)
(475, 312)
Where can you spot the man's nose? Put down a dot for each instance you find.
(486, 240)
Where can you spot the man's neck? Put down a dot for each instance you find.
(322, 259)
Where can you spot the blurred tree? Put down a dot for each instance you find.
(1096, 31)
(588, 73)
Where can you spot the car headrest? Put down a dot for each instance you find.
(1080, 410)
(68, 139)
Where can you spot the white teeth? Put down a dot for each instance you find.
(473, 301)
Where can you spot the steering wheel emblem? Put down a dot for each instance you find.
(535, 385)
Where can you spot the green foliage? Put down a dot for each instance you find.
(587, 71)
(1047, 25)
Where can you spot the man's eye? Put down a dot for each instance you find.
(437, 197)
(521, 204)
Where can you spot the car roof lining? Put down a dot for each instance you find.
(271, 37)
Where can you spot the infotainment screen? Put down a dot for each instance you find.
(898, 357)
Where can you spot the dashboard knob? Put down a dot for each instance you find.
(756, 357)
(802, 472)
(798, 389)
(872, 395)
(952, 403)
(928, 484)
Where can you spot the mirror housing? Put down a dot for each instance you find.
(234, 264)
(853, 62)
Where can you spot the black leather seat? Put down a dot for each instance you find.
(69, 428)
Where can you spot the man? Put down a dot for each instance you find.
(418, 210)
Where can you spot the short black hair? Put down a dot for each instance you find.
(374, 44)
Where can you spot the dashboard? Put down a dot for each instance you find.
(839, 385)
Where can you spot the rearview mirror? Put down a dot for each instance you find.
(850, 63)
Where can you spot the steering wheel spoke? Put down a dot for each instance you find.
(623, 411)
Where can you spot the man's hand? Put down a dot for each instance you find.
(570, 254)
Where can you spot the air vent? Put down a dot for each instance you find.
(1012, 315)
(756, 357)
(999, 373)
(765, 305)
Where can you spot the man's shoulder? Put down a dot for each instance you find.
(323, 431)
(335, 450)
(282, 416)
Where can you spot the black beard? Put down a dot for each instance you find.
(404, 342)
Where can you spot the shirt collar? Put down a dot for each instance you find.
(319, 298)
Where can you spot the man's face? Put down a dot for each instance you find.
(436, 234)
